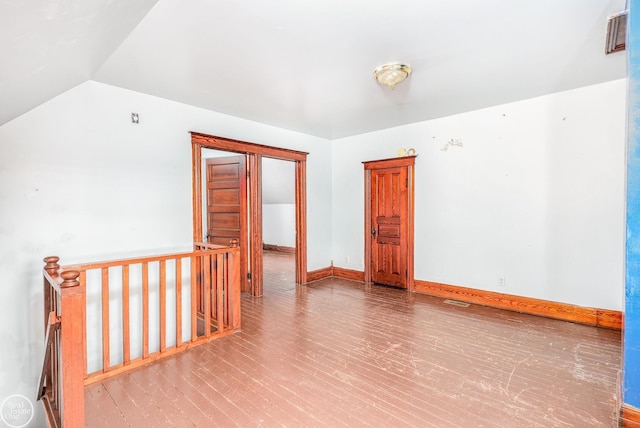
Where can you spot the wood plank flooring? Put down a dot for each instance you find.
(337, 353)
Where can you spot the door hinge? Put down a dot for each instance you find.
(248, 173)
(249, 276)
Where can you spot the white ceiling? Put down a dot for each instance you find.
(307, 65)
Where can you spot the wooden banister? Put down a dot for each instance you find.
(61, 386)
(53, 325)
(72, 342)
(205, 246)
(211, 282)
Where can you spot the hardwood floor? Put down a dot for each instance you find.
(337, 353)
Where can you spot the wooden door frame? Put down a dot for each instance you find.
(255, 153)
(409, 163)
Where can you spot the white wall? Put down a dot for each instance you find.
(279, 224)
(536, 195)
(278, 181)
(79, 180)
(278, 202)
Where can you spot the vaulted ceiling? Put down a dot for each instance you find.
(307, 65)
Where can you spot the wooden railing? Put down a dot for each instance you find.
(108, 317)
(61, 386)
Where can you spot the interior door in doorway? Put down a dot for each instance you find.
(226, 179)
(250, 233)
(389, 222)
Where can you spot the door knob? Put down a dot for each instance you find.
(373, 232)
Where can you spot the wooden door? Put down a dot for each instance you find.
(226, 183)
(389, 222)
(226, 199)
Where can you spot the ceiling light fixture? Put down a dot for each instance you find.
(391, 74)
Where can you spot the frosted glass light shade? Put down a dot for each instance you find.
(391, 74)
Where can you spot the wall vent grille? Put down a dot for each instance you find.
(616, 33)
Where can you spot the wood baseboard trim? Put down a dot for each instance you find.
(629, 416)
(279, 248)
(316, 275)
(354, 275)
(591, 316)
(333, 271)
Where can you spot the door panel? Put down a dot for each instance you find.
(227, 208)
(225, 182)
(389, 215)
(388, 230)
(389, 223)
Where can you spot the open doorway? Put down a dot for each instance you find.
(251, 253)
(278, 224)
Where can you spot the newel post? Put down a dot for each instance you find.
(52, 265)
(72, 349)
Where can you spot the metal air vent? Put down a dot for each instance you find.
(616, 33)
(456, 303)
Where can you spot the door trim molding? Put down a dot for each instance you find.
(367, 225)
(254, 152)
(255, 222)
(405, 161)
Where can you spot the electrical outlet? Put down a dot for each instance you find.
(501, 281)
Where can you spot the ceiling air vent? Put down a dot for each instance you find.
(616, 33)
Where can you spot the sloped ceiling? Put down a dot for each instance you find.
(307, 65)
(50, 46)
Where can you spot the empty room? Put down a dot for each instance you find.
(320, 213)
